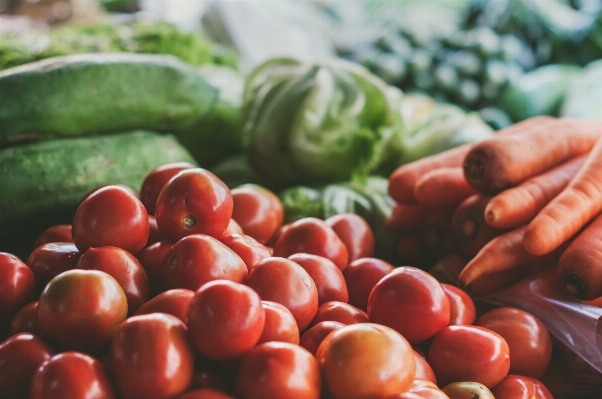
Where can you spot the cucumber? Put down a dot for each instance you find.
(87, 94)
(44, 182)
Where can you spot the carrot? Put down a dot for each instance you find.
(518, 205)
(569, 211)
(504, 161)
(490, 283)
(442, 186)
(468, 226)
(407, 217)
(447, 268)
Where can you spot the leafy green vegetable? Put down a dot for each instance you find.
(584, 98)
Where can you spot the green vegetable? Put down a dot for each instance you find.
(584, 97)
(236, 170)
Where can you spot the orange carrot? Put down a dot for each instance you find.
(569, 211)
(468, 226)
(504, 161)
(407, 217)
(518, 205)
(490, 283)
(443, 186)
(447, 268)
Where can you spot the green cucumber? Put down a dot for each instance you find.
(87, 94)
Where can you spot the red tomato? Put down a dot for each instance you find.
(124, 267)
(17, 286)
(424, 371)
(154, 234)
(20, 356)
(154, 182)
(366, 360)
(225, 319)
(194, 201)
(280, 324)
(26, 320)
(312, 236)
(56, 233)
(151, 259)
(48, 260)
(81, 309)
(355, 233)
(206, 393)
(248, 248)
(285, 282)
(469, 353)
(341, 312)
(361, 276)
(327, 276)
(421, 389)
(174, 302)
(521, 387)
(410, 301)
(278, 370)
(313, 337)
(274, 238)
(233, 228)
(197, 259)
(257, 210)
(151, 357)
(467, 390)
(462, 309)
(527, 337)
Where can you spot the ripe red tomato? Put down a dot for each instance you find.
(151, 357)
(278, 370)
(56, 233)
(233, 228)
(197, 259)
(225, 319)
(527, 337)
(194, 201)
(257, 210)
(151, 259)
(462, 309)
(313, 337)
(421, 389)
(285, 282)
(280, 324)
(521, 387)
(248, 248)
(361, 276)
(312, 236)
(154, 234)
(48, 260)
(26, 320)
(469, 353)
(341, 312)
(355, 233)
(174, 302)
(20, 356)
(81, 309)
(17, 286)
(410, 301)
(124, 268)
(274, 238)
(206, 393)
(327, 276)
(366, 360)
(424, 371)
(156, 179)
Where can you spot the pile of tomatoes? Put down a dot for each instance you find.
(195, 291)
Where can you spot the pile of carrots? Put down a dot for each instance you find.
(490, 213)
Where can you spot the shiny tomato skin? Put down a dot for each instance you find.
(424, 371)
(124, 268)
(462, 308)
(327, 276)
(48, 260)
(194, 201)
(151, 259)
(225, 319)
(355, 233)
(71, 375)
(313, 337)
(341, 312)
(174, 302)
(81, 309)
(278, 370)
(280, 324)
(111, 216)
(141, 373)
(233, 228)
(285, 282)
(257, 210)
(26, 320)
(410, 301)
(20, 356)
(197, 259)
(366, 360)
(206, 393)
(361, 276)
(156, 179)
(17, 286)
(313, 236)
(56, 233)
(421, 389)
(521, 387)
(469, 353)
(248, 248)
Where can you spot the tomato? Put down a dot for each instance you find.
(278, 370)
(527, 337)
(280, 324)
(174, 302)
(194, 201)
(410, 301)
(206, 393)
(151, 357)
(56, 233)
(71, 375)
(257, 210)
(469, 353)
(424, 371)
(248, 248)
(285, 282)
(48, 260)
(225, 319)
(26, 320)
(124, 267)
(313, 337)
(20, 356)
(274, 238)
(421, 389)
(156, 179)
(151, 259)
(154, 234)
(233, 228)
(312, 236)
(355, 233)
(366, 360)
(341, 312)
(327, 276)
(521, 387)
(17, 286)
(467, 390)
(462, 309)
(197, 259)
(81, 309)
(361, 276)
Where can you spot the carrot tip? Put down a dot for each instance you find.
(574, 284)
(470, 228)
(490, 216)
(474, 168)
